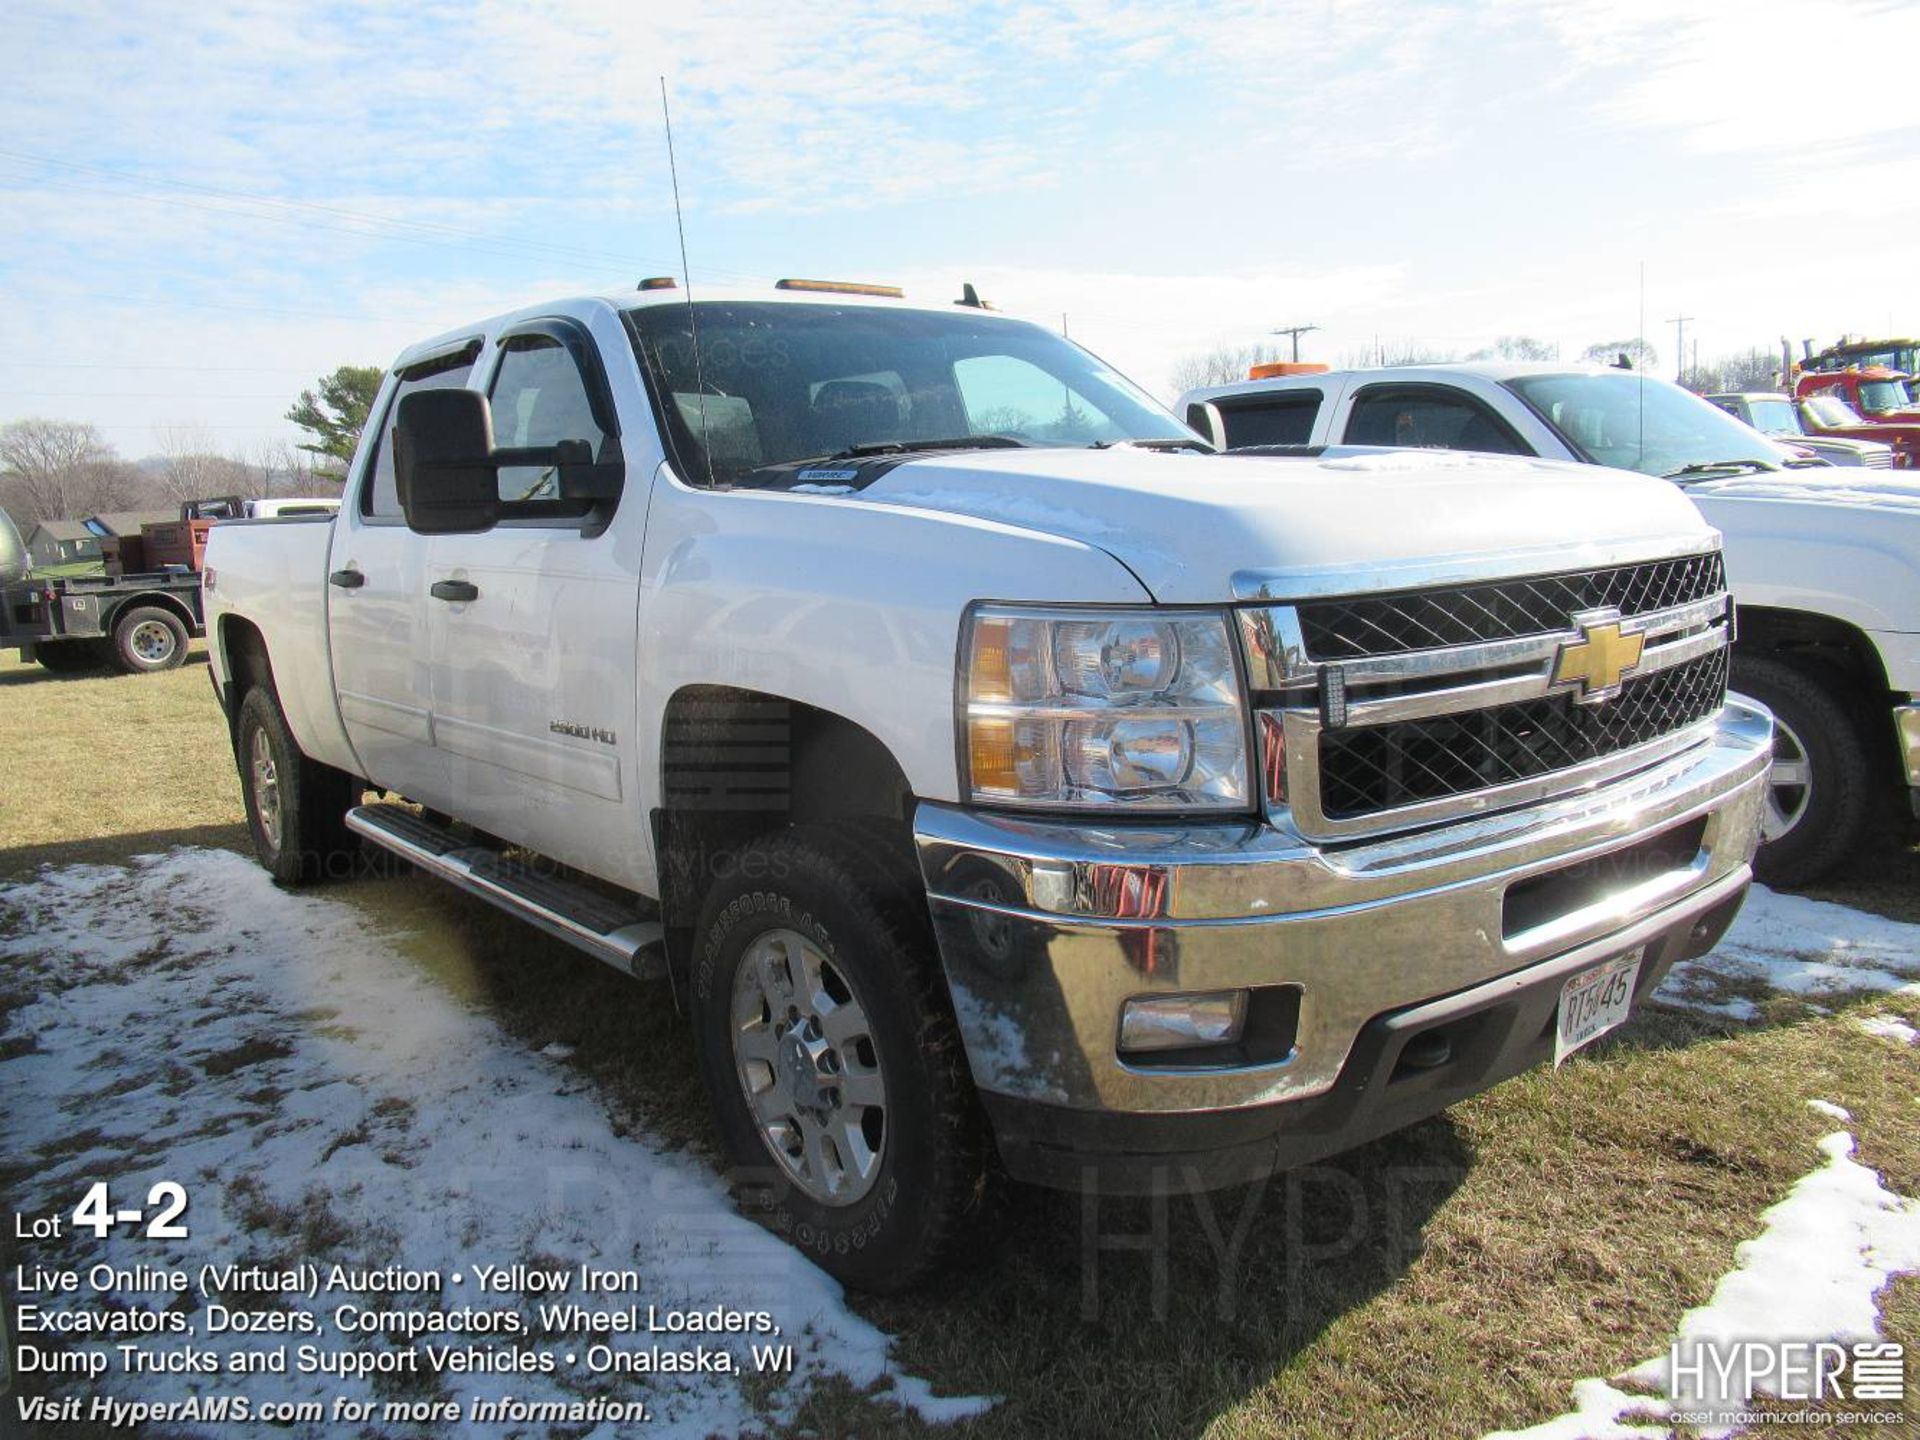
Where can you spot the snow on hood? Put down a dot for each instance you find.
(1187, 524)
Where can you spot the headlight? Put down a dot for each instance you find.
(1076, 708)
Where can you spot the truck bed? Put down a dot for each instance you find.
(274, 573)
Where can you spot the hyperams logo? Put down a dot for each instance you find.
(1864, 1383)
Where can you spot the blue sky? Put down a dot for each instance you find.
(205, 207)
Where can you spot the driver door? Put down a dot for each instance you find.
(532, 625)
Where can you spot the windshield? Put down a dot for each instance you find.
(1638, 423)
(1831, 411)
(777, 383)
(1879, 395)
(1775, 417)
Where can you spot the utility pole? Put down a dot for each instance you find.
(1294, 332)
(1679, 322)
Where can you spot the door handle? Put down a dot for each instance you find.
(347, 579)
(458, 591)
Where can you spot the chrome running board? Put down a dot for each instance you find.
(622, 934)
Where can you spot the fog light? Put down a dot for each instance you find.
(1175, 1022)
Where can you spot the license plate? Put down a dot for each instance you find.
(1594, 1002)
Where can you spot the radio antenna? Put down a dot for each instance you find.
(1640, 440)
(686, 276)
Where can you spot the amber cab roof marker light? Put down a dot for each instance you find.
(1275, 368)
(842, 287)
(658, 282)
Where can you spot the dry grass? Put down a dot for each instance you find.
(102, 766)
(1444, 1281)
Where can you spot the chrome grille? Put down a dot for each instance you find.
(1877, 460)
(1503, 610)
(1384, 767)
(1419, 706)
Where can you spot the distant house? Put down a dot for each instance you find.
(112, 524)
(62, 542)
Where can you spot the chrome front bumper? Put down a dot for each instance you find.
(1046, 929)
(1906, 722)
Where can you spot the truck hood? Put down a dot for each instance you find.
(1852, 489)
(1205, 528)
(1832, 444)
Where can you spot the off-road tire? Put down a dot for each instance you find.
(1811, 704)
(834, 887)
(310, 841)
(149, 638)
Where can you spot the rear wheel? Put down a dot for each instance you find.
(296, 807)
(149, 638)
(829, 1051)
(1816, 808)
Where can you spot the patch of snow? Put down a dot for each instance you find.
(1887, 1027)
(1830, 1110)
(1826, 1252)
(1798, 947)
(557, 1051)
(281, 1058)
(1393, 461)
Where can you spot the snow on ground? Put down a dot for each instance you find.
(321, 1099)
(1830, 1246)
(1887, 1027)
(1826, 1251)
(1798, 947)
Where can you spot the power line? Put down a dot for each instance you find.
(1295, 332)
(1679, 323)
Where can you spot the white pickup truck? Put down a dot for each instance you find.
(987, 766)
(1825, 564)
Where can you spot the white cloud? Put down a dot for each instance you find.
(1764, 75)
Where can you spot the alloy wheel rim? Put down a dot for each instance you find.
(1789, 783)
(266, 787)
(809, 1068)
(152, 641)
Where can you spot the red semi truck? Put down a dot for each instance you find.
(1831, 403)
(1881, 395)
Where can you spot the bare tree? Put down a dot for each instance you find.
(1220, 366)
(1758, 369)
(56, 469)
(192, 468)
(1517, 347)
(1394, 352)
(286, 469)
(1608, 352)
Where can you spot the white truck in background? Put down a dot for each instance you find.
(1778, 417)
(1825, 564)
(987, 765)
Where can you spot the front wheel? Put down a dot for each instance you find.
(829, 1050)
(1816, 808)
(149, 638)
(296, 807)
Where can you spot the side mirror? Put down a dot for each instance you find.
(443, 462)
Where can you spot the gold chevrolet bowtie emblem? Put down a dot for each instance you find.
(1600, 659)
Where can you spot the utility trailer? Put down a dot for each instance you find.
(139, 622)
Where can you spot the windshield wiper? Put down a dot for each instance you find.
(901, 447)
(1158, 442)
(1711, 467)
